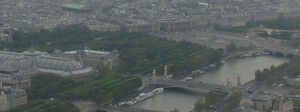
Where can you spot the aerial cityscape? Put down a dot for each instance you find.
(149, 55)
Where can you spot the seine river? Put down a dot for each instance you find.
(184, 100)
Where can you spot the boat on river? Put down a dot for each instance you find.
(223, 62)
(198, 72)
(143, 96)
(188, 78)
(247, 55)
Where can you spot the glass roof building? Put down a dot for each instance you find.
(35, 61)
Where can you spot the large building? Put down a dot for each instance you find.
(96, 59)
(17, 68)
(266, 102)
(10, 98)
(293, 81)
(16, 81)
(75, 7)
(32, 62)
(5, 37)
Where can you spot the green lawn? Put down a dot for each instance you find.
(101, 90)
(295, 93)
(297, 101)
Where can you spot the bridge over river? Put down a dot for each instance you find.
(192, 85)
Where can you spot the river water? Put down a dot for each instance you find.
(184, 100)
(246, 67)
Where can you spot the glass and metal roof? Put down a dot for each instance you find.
(61, 64)
(21, 63)
(40, 61)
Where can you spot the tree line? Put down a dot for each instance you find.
(138, 52)
(275, 74)
(102, 90)
(42, 106)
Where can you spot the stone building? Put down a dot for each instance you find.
(105, 28)
(176, 25)
(293, 81)
(5, 37)
(15, 81)
(263, 104)
(267, 102)
(33, 62)
(284, 105)
(77, 8)
(10, 98)
(3, 102)
(96, 59)
(151, 27)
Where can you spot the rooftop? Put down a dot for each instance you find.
(35, 60)
(261, 97)
(73, 6)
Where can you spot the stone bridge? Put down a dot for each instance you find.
(284, 52)
(191, 85)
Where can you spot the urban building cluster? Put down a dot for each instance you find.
(140, 15)
(263, 102)
(159, 16)
(293, 81)
(92, 58)
(73, 64)
(16, 69)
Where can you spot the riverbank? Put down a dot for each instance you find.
(213, 66)
(169, 100)
(184, 101)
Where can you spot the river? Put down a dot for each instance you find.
(184, 100)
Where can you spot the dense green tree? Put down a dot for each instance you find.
(45, 86)
(103, 90)
(277, 35)
(175, 110)
(281, 23)
(138, 52)
(210, 99)
(41, 106)
(233, 102)
(274, 74)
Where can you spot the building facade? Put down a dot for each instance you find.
(11, 97)
(96, 59)
(5, 37)
(3, 102)
(15, 81)
(293, 81)
(266, 103)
